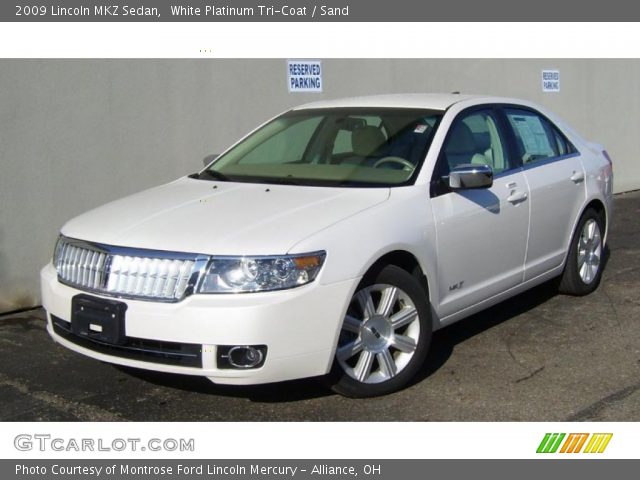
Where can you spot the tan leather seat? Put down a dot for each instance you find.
(492, 156)
(461, 146)
(367, 141)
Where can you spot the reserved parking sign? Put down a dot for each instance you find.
(550, 80)
(304, 76)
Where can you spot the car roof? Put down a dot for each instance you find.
(432, 101)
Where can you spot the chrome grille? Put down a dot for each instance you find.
(126, 272)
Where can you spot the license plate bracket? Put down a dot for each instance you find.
(98, 319)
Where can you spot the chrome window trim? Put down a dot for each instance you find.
(537, 163)
(547, 161)
(506, 173)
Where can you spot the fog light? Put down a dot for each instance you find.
(241, 356)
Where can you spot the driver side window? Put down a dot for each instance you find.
(474, 138)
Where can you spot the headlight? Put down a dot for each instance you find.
(259, 274)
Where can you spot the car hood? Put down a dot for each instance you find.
(221, 218)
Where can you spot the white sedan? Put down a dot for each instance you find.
(333, 240)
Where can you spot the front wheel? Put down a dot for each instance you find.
(585, 260)
(385, 335)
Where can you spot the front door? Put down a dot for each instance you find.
(481, 234)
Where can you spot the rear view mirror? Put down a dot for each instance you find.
(350, 124)
(210, 158)
(471, 176)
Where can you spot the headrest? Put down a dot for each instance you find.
(367, 140)
(461, 140)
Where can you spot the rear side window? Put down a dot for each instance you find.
(536, 138)
(564, 147)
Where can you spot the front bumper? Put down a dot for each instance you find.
(300, 328)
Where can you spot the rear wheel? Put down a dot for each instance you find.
(583, 269)
(385, 335)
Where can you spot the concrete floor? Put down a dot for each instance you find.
(537, 357)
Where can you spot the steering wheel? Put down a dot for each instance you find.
(406, 164)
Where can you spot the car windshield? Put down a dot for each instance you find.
(334, 147)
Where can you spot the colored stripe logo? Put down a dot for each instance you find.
(574, 443)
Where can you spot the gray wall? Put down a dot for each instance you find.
(77, 133)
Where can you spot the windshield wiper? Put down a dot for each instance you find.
(362, 184)
(281, 181)
(212, 174)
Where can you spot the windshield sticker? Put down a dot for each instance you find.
(420, 128)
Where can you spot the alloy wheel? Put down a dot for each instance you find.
(379, 334)
(589, 251)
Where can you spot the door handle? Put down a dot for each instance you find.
(517, 197)
(577, 177)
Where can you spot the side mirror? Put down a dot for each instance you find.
(470, 176)
(210, 158)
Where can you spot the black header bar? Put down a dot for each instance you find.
(322, 11)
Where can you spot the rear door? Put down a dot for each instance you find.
(481, 234)
(555, 176)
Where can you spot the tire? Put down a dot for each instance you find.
(585, 260)
(384, 337)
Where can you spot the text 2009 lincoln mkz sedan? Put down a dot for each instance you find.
(333, 240)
